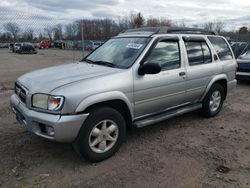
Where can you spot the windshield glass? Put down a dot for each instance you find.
(119, 52)
(246, 55)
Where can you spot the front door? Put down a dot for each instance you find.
(157, 92)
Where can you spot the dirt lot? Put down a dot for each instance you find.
(186, 151)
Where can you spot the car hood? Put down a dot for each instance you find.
(48, 79)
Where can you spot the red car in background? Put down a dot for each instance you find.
(45, 44)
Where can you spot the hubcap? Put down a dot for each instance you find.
(103, 136)
(215, 101)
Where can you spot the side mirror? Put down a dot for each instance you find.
(149, 68)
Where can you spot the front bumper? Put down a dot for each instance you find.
(64, 128)
(243, 75)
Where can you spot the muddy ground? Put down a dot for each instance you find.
(187, 151)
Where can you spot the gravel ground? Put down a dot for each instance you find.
(186, 151)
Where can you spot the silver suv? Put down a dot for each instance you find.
(138, 78)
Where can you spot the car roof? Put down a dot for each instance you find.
(153, 31)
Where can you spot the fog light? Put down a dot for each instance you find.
(50, 131)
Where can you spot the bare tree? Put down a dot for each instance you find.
(139, 20)
(48, 32)
(165, 22)
(58, 32)
(12, 28)
(71, 30)
(153, 22)
(28, 35)
(217, 26)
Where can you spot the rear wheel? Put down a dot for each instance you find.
(101, 135)
(213, 101)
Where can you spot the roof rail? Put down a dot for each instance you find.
(165, 30)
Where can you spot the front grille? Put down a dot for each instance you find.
(20, 92)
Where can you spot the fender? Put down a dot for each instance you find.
(102, 97)
(212, 81)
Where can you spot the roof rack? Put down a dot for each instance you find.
(164, 30)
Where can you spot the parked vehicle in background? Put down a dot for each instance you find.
(96, 44)
(45, 44)
(243, 72)
(26, 48)
(88, 45)
(240, 48)
(4, 45)
(11, 46)
(59, 44)
(36, 45)
(16, 47)
(138, 78)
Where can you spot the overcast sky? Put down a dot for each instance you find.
(41, 12)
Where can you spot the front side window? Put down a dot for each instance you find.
(118, 52)
(166, 54)
(221, 48)
(198, 53)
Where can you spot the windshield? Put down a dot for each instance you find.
(119, 52)
(245, 55)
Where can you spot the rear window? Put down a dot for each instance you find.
(221, 48)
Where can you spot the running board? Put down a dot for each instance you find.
(166, 115)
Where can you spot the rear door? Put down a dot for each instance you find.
(200, 67)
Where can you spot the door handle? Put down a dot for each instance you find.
(182, 74)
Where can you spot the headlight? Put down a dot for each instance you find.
(47, 102)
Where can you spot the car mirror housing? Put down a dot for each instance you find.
(149, 68)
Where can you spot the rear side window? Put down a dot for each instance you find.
(221, 48)
(198, 53)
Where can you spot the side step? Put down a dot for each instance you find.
(166, 115)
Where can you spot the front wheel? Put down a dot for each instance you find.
(101, 135)
(213, 101)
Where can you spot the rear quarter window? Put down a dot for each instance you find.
(221, 47)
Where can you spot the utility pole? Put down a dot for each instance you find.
(82, 39)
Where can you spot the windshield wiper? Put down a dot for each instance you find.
(105, 63)
(88, 61)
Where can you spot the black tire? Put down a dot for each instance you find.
(206, 110)
(81, 144)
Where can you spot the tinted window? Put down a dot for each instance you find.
(165, 53)
(221, 48)
(198, 53)
(206, 53)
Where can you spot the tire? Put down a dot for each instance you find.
(213, 101)
(87, 136)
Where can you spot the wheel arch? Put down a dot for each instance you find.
(116, 100)
(220, 79)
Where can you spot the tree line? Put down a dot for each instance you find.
(103, 29)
